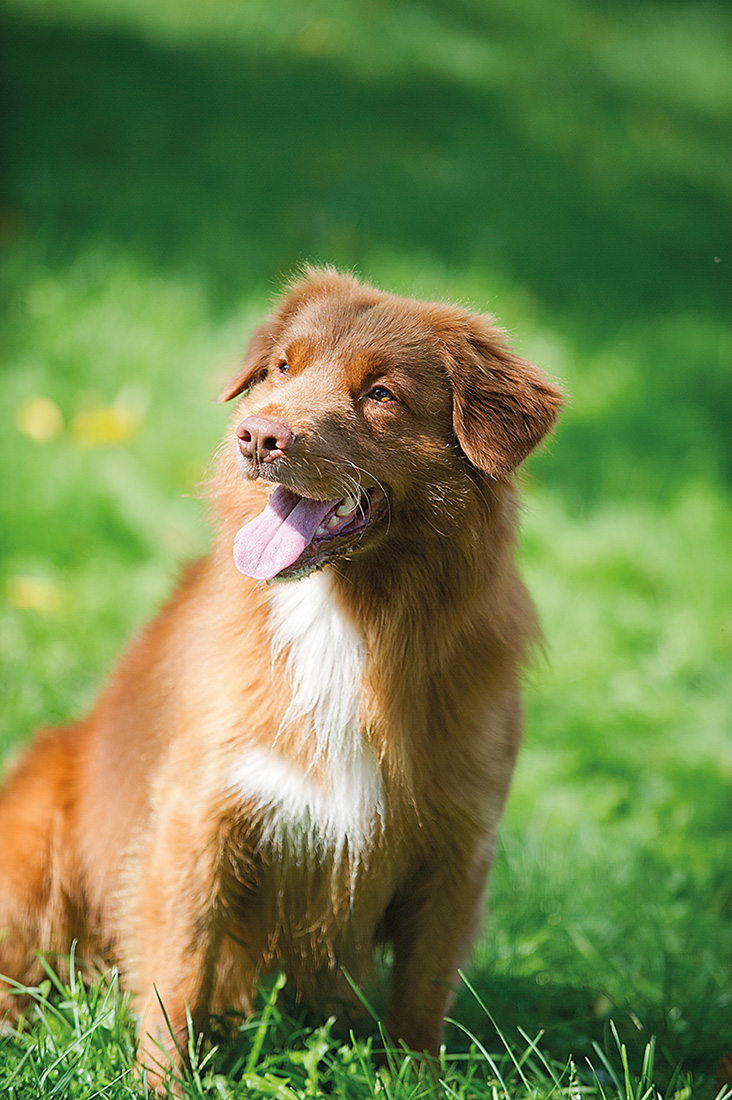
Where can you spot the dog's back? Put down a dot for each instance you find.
(292, 772)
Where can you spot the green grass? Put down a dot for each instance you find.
(566, 165)
(80, 1047)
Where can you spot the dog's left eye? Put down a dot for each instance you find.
(283, 367)
(381, 394)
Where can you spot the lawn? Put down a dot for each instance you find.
(567, 166)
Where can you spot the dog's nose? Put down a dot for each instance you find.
(263, 439)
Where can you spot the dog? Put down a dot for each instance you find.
(307, 754)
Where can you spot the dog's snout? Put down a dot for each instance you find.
(262, 439)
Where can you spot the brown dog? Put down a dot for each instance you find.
(292, 773)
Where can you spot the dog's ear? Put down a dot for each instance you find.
(315, 282)
(503, 406)
(256, 358)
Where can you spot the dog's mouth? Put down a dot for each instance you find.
(295, 534)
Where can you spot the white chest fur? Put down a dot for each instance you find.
(339, 810)
(325, 660)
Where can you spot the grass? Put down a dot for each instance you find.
(80, 1047)
(567, 166)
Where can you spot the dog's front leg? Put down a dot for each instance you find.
(175, 1010)
(432, 924)
(175, 944)
(182, 993)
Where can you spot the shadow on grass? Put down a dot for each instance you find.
(494, 1015)
(567, 1022)
(238, 165)
(235, 166)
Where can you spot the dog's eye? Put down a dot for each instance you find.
(283, 367)
(381, 394)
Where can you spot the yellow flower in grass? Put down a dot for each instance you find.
(105, 425)
(34, 594)
(40, 419)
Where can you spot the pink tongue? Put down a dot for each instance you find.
(277, 537)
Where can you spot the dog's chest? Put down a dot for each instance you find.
(328, 800)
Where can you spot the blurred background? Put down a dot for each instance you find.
(567, 166)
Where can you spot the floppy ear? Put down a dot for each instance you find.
(256, 358)
(502, 405)
(315, 282)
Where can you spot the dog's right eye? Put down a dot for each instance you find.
(283, 367)
(381, 394)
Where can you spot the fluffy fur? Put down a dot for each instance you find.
(291, 773)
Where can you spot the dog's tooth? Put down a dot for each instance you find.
(334, 521)
(348, 506)
(320, 530)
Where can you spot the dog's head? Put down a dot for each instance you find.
(363, 410)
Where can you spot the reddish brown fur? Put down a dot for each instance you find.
(124, 833)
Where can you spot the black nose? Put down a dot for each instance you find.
(262, 439)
